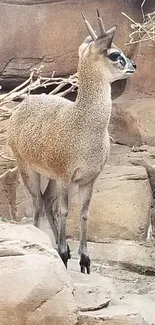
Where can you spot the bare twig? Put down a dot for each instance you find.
(3, 130)
(2, 155)
(17, 88)
(9, 172)
(142, 31)
(58, 88)
(67, 91)
(25, 89)
(34, 82)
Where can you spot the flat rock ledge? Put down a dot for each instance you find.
(129, 255)
(99, 302)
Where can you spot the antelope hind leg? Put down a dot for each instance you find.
(50, 198)
(31, 180)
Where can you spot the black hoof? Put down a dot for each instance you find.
(68, 252)
(85, 263)
(65, 256)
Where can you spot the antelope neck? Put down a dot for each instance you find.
(94, 91)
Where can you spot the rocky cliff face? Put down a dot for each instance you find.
(35, 32)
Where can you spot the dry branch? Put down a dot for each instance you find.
(34, 82)
(2, 155)
(9, 172)
(144, 31)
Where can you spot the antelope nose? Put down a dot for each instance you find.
(134, 65)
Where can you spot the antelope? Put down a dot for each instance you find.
(68, 142)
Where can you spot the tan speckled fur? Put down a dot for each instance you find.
(66, 141)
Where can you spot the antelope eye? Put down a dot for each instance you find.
(114, 56)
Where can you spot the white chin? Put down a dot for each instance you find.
(129, 73)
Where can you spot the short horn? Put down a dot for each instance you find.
(89, 28)
(100, 22)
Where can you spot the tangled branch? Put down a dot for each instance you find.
(34, 82)
(144, 31)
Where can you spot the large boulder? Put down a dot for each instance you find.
(35, 287)
(120, 206)
(143, 80)
(50, 32)
(132, 121)
(123, 125)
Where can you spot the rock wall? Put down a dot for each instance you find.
(132, 120)
(50, 32)
(120, 206)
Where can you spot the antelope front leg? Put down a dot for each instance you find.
(85, 193)
(63, 248)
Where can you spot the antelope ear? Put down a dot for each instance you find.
(104, 41)
(88, 40)
(85, 44)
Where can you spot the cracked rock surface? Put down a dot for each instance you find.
(113, 294)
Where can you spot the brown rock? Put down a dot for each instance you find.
(132, 121)
(35, 287)
(143, 81)
(150, 171)
(143, 110)
(120, 206)
(123, 126)
(50, 32)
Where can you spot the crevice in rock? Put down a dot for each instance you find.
(31, 2)
(21, 60)
(1, 72)
(40, 304)
(135, 178)
(150, 271)
(11, 253)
